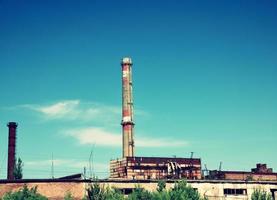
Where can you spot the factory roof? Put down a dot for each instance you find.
(179, 160)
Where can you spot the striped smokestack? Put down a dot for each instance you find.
(11, 150)
(127, 108)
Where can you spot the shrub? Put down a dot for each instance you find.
(161, 186)
(182, 191)
(24, 194)
(96, 192)
(68, 196)
(140, 194)
(259, 194)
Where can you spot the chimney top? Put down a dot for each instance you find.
(126, 60)
(12, 124)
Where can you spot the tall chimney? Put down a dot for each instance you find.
(11, 150)
(127, 108)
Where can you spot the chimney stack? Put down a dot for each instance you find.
(11, 150)
(127, 108)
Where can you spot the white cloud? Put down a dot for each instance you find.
(60, 109)
(77, 110)
(102, 137)
(96, 136)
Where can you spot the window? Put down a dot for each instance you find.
(229, 191)
(126, 191)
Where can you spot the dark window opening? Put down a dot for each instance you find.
(229, 191)
(126, 191)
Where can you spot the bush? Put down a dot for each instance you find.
(161, 186)
(140, 194)
(96, 192)
(180, 191)
(68, 196)
(24, 194)
(18, 170)
(259, 194)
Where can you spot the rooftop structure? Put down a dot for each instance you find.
(143, 168)
(260, 173)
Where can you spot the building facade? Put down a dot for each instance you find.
(260, 173)
(145, 168)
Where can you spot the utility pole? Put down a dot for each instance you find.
(85, 173)
(52, 168)
(91, 173)
(220, 166)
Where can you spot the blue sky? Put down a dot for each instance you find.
(204, 81)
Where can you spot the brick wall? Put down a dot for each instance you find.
(52, 190)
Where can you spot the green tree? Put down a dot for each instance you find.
(162, 195)
(182, 191)
(140, 193)
(97, 192)
(161, 186)
(18, 170)
(113, 194)
(68, 196)
(259, 194)
(24, 194)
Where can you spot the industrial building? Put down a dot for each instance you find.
(155, 168)
(260, 173)
(56, 189)
(132, 167)
(130, 170)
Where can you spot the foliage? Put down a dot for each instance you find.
(249, 178)
(68, 196)
(24, 194)
(113, 194)
(97, 192)
(18, 170)
(140, 194)
(161, 186)
(259, 194)
(180, 191)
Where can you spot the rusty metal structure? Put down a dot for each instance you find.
(127, 108)
(149, 168)
(260, 173)
(11, 150)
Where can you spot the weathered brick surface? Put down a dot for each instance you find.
(51, 190)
